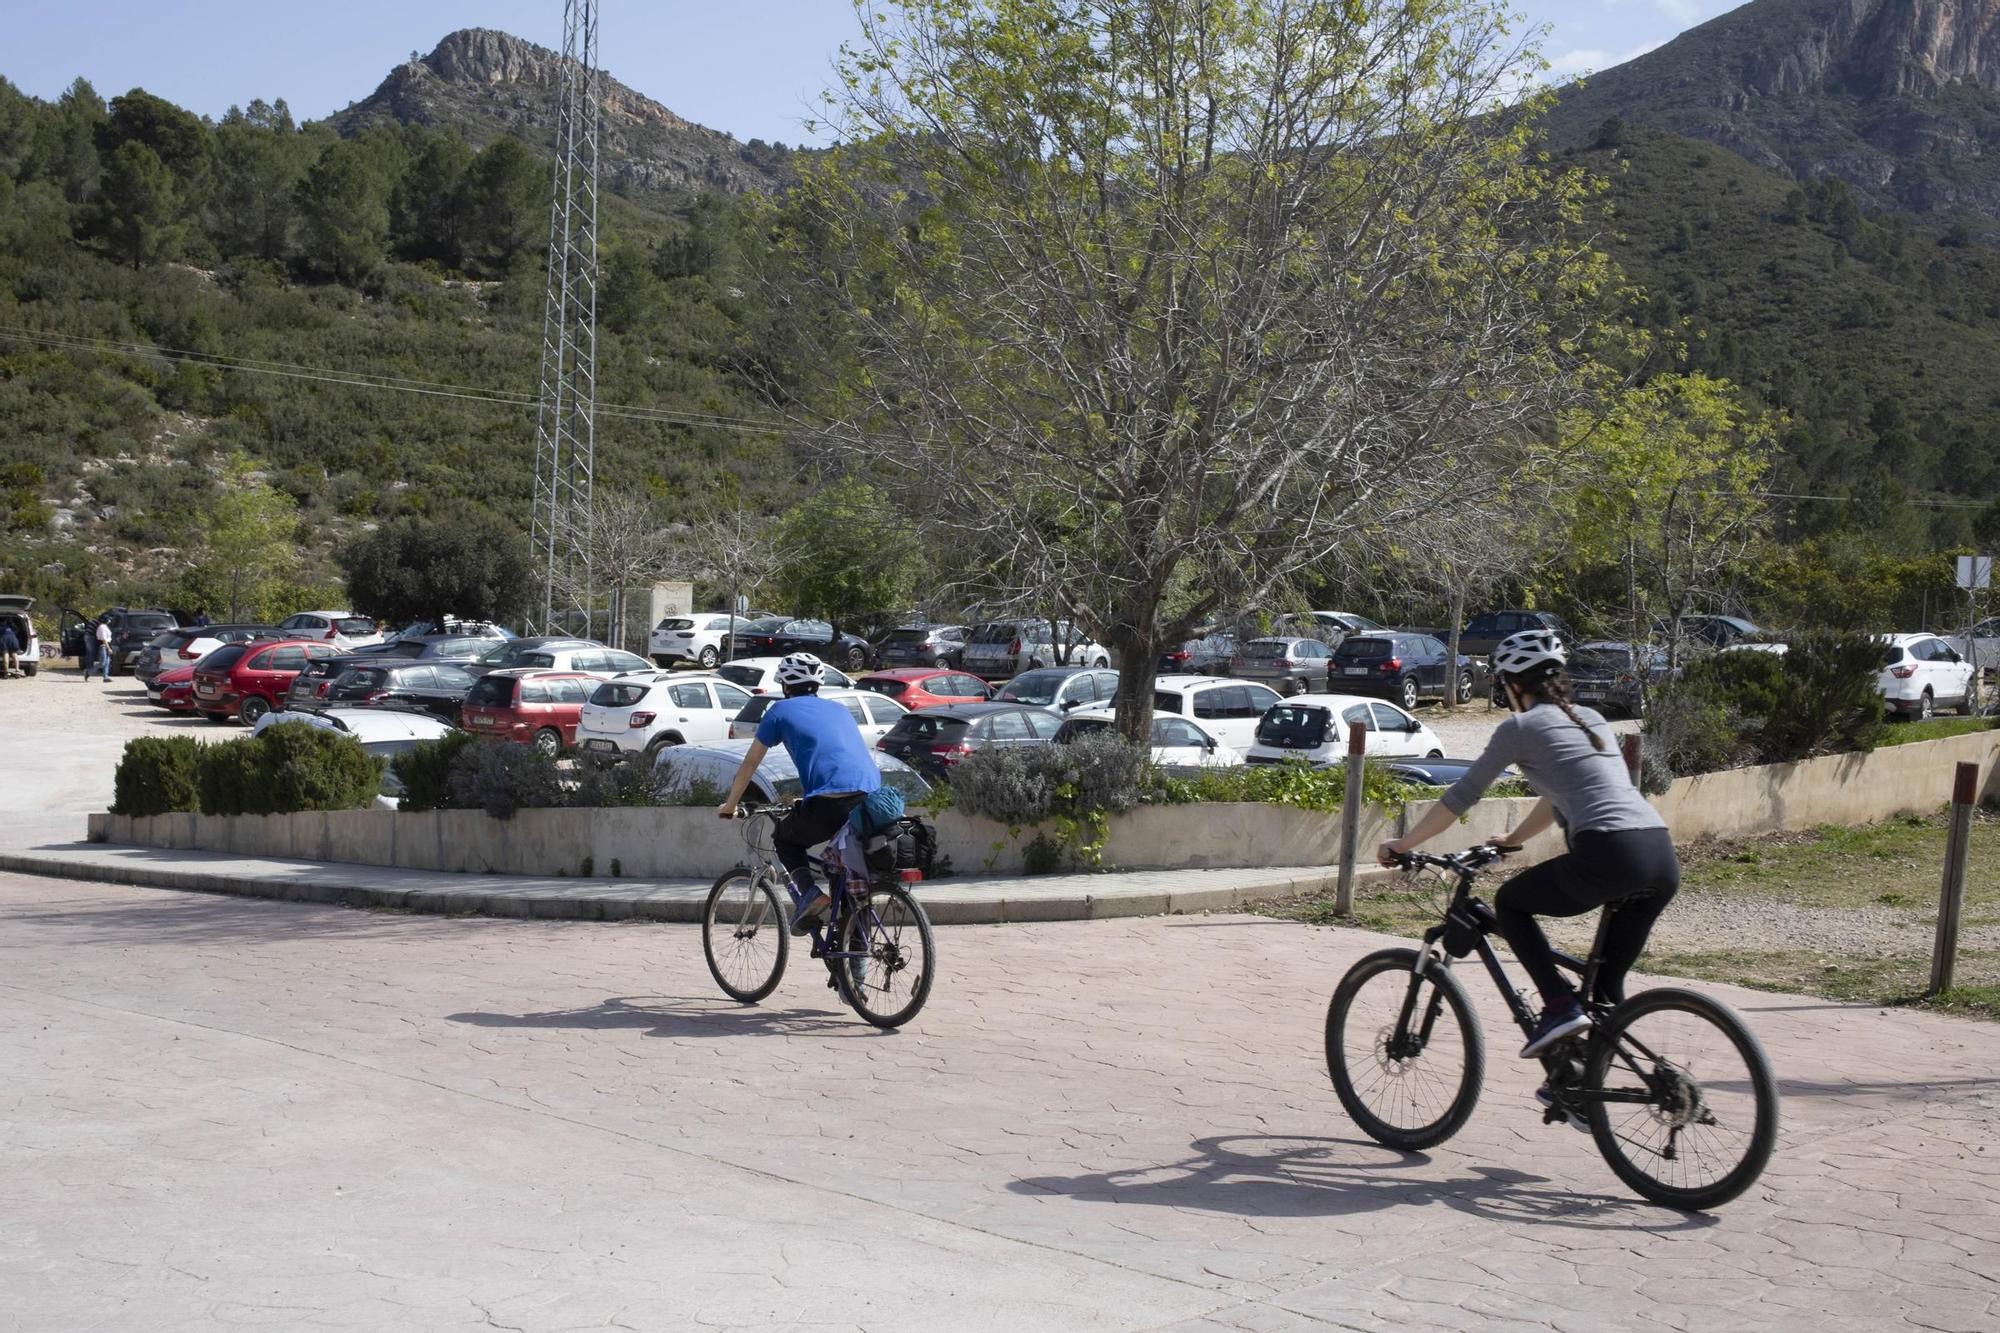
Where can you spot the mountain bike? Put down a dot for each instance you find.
(1673, 1087)
(875, 941)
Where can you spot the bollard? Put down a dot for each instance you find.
(1350, 818)
(1951, 896)
(1631, 747)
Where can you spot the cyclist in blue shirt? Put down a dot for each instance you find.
(836, 772)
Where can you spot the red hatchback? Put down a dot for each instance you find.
(248, 680)
(926, 687)
(173, 689)
(538, 708)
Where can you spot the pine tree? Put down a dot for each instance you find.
(139, 210)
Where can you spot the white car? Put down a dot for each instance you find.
(1921, 673)
(343, 629)
(706, 770)
(700, 638)
(1313, 728)
(1225, 708)
(759, 675)
(875, 714)
(644, 712)
(1177, 742)
(385, 732)
(14, 610)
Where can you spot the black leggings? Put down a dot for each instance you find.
(811, 823)
(1634, 868)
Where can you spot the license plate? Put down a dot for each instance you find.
(600, 745)
(1354, 671)
(1589, 694)
(205, 691)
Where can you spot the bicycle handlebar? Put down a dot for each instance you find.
(1471, 859)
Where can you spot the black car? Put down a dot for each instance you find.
(1713, 631)
(1484, 634)
(436, 688)
(170, 649)
(523, 652)
(1602, 675)
(780, 636)
(934, 740)
(433, 648)
(922, 645)
(1437, 772)
(1403, 667)
(307, 693)
(131, 630)
(1207, 655)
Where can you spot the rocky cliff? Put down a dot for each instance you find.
(490, 83)
(1901, 98)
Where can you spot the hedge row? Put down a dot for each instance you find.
(280, 772)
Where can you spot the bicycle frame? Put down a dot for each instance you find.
(837, 885)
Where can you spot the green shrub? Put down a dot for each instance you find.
(1101, 773)
(285, 770)
(627, 781)
(1734, 708)
(502, 778)
(1299, 785)
(425, 771)
(157, 776)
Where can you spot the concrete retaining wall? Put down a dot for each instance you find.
(677, 843)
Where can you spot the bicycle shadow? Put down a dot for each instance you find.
(1317, 1177)
(683, 1016)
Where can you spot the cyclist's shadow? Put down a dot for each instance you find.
(1262, 1176)
(683, 1016)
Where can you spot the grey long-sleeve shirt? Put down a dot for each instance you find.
(1590, 789)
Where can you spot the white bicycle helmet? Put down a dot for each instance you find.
(801, 669)
(1530, 650)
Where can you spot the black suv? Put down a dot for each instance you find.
(1403, 667)
(131, 630)
(436, 688)
(1484, 634)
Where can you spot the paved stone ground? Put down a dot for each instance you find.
(228, 1112)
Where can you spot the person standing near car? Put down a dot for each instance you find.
(10, 650)
(103, 637)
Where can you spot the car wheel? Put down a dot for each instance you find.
(1465, 688)
(708, 658)
(1292, 687)
(1926, 707)
(1409, 694)
(662, 661)
(30, 668)
(549, 741)
(1102, 663)
(942, 664)
(252, 710)
(660, 743)
(857, 659)
(1435, 754)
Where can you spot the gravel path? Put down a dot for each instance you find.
(1714, 922)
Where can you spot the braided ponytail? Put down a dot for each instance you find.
(1552, 687)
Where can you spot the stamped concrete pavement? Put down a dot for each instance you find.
(262, 1114)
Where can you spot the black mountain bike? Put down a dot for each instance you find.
(1673, 1087)
(876, 942)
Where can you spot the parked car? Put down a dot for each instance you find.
(702, 639)
(1287, 665)
(875, 714)
(14, 611)
(1225, 708)
(649, 711)
(382, 732)
(1982, 648)
(131, 631)
(1312, 728)
(781, 636)
(1176, 741)
(342, 628)
(917, 687)
(1602, 675)
(1439, 772)
(453, 627)
(759, 675)
(557, 653)
(1713, 631)
(1208, 655)
(933, 740)
(1403, 667)
(191, 644)
(1329, 627)
(248, 680)
(173, 688)
(1479, 638)
(1064, 689)
(709, 768)
(1921, 673)
(538, 708)
(999, 649)
(461, 648)
(437, 688)
(307, 692)
(922, 645)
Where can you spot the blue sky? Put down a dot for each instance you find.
(751, 67)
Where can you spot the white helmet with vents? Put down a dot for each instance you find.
(1530, 650)
(801, 669)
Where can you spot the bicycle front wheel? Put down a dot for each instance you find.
(1405, 1051)
(887, 956)
(1680, 1098)
(744, 935)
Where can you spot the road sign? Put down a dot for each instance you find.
(1975, 571)
(742, 604)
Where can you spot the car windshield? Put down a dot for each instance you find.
(1293, 725)
(355, 625)
(1267, 648)
(676, 624)
(920, 727)
(492, 692)
(998, 631)
(884, 686)
(149, 624)
(1364, 650)
(1037, 688)
(1080, 726)
(359, 680)
(748, 676)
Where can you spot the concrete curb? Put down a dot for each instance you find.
(949, 902)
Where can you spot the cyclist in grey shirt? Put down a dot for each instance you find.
(1619, 847)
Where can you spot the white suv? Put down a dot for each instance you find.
(343, 629)
(1922, 673)
(14, 610)
(701, 638)
(1226, 709)
(646, 711)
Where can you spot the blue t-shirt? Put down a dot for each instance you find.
(824, 743)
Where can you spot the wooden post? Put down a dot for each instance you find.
(1350, 817)
(1951, 897)
(1632, 747)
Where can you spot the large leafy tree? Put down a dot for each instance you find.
(139, 210)
(467, 564)
(1170, 294)
(848, 554)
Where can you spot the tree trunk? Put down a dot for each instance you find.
(1451, 648)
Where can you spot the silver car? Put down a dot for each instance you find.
(1289, 666)
(1003, 649)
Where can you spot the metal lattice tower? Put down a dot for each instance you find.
(565, 422)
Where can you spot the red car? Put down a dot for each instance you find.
(538, 708)
(248, 680)
(926, 687)
(173, 689)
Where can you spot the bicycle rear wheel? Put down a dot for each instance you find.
(889, 977)
(1405, 1052)
(744, 934)
(1680, 1099)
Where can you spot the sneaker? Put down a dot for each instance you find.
(1564, 1021)
(811, 914)
(1567, 1117)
